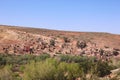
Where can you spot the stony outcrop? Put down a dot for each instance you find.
(17, 41)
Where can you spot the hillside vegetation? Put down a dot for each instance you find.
(42, 54)
(62, 67)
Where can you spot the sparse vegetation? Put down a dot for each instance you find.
(52, 42)
(115, 53)
(39, 54)
(81, 44)
(66, 40)
(42, 67)
(6, 73)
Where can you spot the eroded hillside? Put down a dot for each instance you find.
(20, 40)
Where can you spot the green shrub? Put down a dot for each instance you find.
(66, 40)
(67, 71)
(42, 67)
(65, 58)
(72, 58)
(115, 53)
(81, 44)
(102, 69)
(52, 42)
(43, 70)
(6, 73)
(2, 60)
(42, 57)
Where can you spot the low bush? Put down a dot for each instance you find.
(6, 73)
(43, 70)
(42, 67)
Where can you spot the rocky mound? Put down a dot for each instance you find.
(20, 40)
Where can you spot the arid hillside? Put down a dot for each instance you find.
(22, 40)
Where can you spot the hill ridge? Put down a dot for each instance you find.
(23, 40)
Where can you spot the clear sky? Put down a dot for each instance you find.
(73, 15)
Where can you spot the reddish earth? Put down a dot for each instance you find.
(22, 40)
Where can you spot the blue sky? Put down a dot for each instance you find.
(71, 15)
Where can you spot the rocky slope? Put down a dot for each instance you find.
(21, 40)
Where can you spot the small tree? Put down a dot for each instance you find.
(102, 69)
(67, 40)
(52, 42)
(115, 53)
(101, 51)
(81, 44)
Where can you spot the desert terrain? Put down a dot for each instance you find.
(23, 40)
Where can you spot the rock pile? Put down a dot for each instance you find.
(27, 43)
